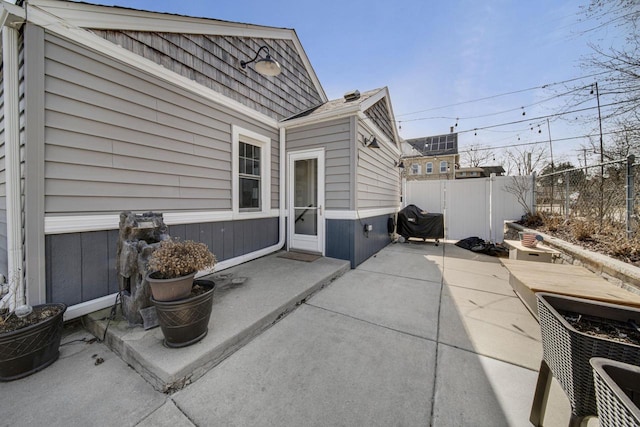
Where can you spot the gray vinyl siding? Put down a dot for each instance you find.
(119, 139)
(378, 179)
(335, 137)
(214, 61)
(82, 266)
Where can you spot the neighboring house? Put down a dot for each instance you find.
(107, 109)
(479, 172)
(432, 157)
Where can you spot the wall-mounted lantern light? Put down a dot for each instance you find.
(266, 66)
(399, 164)
(371, 142)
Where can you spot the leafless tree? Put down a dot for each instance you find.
(520, 187)
(478, 155)
(524, 160)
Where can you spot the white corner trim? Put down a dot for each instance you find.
(105, 47)
(360, 214)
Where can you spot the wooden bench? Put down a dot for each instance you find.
(526, 278)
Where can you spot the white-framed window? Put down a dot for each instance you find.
(415, 169)
(251, 176)
(429, 168)
(443, 167)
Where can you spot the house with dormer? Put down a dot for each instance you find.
(431, 158)
(222, 127)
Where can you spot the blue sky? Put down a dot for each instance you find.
(437, 53)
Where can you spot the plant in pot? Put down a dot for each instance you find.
(183, 313)
(29, 336)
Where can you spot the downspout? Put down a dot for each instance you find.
(15, 256)
(282, 205)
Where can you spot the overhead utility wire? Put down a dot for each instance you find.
(538, 118)
(504, 94)
(543, 141)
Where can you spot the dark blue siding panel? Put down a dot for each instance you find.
(228, 239)
(82, 266)
(339, 239)
(112, 237)
(347, 240)
(239, 229)
(95, 265)
(65, 261)
(179, 231)
(368, 244)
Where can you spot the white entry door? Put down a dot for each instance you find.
(306, 201)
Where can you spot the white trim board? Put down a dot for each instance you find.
(83, 223)
(360, 214)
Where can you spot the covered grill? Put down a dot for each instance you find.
(414, 222)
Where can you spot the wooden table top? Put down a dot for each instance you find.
(570, 280)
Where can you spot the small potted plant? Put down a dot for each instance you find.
(29, 336)
(184, 314)
(174, 264)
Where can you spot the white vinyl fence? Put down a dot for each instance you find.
(471, 207)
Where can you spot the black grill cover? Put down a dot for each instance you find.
(413, 223)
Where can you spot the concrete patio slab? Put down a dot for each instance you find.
(490, 324)
(87, 386)
(318, 368)
(473, 390)
(403, 304)
(413, 260)
(168, 415)
(273, 287)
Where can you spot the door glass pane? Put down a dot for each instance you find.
(306, 197)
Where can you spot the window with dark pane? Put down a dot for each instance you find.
(249, 171)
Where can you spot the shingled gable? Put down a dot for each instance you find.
(205, 51)
(373, 107)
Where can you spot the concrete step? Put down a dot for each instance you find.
(274, 287)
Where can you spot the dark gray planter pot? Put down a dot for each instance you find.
(31, 349)
(186, 321)
(617, 392)
(567, 351)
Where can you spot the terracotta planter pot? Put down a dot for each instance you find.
(31, 349)
(186, 321)
(171, 289)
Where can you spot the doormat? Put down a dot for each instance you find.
(299, 256)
